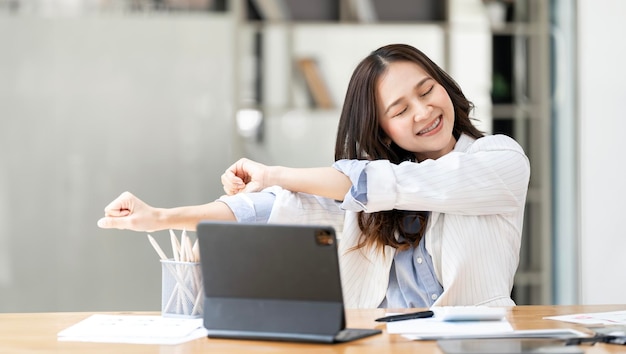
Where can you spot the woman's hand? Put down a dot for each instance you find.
(129, 212)
(248, 176)
(245, 176)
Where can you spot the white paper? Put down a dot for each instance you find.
(434, 328)
(597, 318)
(134, 329)
(437, 327)
(529, 333)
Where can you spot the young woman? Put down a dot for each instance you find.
(429, 211)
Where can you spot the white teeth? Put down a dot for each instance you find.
(433, 126)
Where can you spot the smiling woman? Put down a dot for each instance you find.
(429, 209)
(420, 116)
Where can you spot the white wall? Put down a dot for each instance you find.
(90, 107)
(601, 98)
(469, 56)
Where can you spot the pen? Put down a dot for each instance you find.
(406, 316)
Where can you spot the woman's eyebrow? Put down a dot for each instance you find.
(423, 81)
(419, 84)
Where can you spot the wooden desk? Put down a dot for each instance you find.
(37, 332)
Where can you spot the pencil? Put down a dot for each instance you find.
(196, 304)
(156, 247)
(175, 246)
(196, 251)
(184, 257)
(186, 244)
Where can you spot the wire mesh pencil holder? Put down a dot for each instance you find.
(182, 294)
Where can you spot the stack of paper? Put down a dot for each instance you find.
(436, 328)
(134, 329)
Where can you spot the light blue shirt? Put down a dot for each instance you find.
(412, 280)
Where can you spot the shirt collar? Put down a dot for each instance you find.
(463, 143)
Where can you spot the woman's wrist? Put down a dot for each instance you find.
(275, 176)
(172, 218)
(160, 217)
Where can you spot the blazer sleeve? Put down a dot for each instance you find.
(490, 177)
(302, 208)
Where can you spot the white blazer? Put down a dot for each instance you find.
(476, 195)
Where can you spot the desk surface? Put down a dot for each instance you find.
(37, 332)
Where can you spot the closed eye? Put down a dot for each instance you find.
(400, 113)
(429, 91)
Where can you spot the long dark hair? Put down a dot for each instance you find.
(359, 136)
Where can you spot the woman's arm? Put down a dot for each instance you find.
(129, 212)
(489, 177)
(249, 176)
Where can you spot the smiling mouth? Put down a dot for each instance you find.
(431, 127)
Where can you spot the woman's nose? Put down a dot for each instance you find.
(422, 112)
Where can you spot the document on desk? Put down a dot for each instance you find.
(597, 318)
(435, 328)
(134, 329)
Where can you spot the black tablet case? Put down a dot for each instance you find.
(273, 282)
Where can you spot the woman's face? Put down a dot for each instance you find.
(415, 111)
